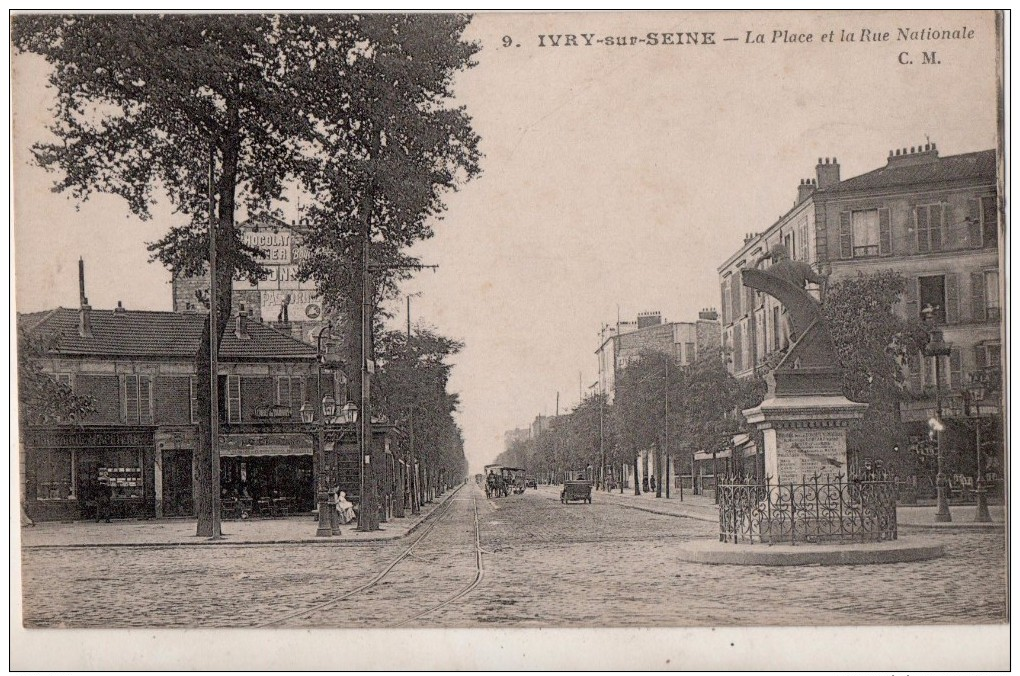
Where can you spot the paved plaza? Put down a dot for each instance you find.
(611, 563)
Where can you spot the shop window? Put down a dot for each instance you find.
(233, 395)
(928, 219)
(136, 399)
(54, 477)
(122, 470)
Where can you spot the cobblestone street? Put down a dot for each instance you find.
(543, 564)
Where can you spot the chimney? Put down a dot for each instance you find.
(85, 313)
(749, 236)
(805, 189)
(827, 173)
(239, 331)
(905, 157)
(120, 308)
(646, 319)
(709, 314)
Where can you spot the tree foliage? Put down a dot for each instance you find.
(41, 399)
(873, 343)
(413, 387)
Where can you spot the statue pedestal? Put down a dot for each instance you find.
(805, 435)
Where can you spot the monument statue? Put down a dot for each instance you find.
(811, 343)
(804, 416)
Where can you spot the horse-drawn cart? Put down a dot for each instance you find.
(576, 490)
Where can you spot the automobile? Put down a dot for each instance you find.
(531, 482)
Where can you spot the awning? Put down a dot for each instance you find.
(263, 445)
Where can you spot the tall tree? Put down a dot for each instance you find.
(873, 343)
(143, 98)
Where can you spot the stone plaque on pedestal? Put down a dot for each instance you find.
(805, 436)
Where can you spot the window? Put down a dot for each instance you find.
(865, 233)
(790, 242)
(64, 379)
(735, 293)
(136, 399)
(983, 222)
(928, 219)
(54, 478)
(738, 349)
(803, 241)
(689, 352)
(988, 355)
(233, 399)
(933, 294)
(289, 392)
(777, 329)
(194, 399)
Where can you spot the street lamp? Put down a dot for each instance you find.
(325, 528)
(328, 407)
(937, 348)
(974, 393)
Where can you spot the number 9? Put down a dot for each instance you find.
(507, 40)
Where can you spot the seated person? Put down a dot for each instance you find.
(344, 508)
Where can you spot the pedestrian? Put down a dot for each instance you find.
(104, 500)
(651, 482)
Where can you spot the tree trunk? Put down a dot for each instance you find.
(637, 478)
(225, 188)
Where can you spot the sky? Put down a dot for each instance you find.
(616, 179)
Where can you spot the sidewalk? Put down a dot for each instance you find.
(181, 532)
(963, 518)
(703, 508)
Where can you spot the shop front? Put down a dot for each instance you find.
(68, 469)
(276, 469)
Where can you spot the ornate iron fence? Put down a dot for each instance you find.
(818, 510)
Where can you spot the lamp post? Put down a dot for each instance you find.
(937, 348)
(974, 393)
(325, 528)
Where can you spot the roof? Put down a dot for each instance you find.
(167, 335)
(965, 167)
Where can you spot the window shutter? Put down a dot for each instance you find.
(283, 390)
(735, 296)
(974, 225)
(921, 228)
(914, 370)
(935, 225)
(194, 398)
(952, 298)
(910, 298)
(145, 400)
(738, 349)
(978, 310)
(846, 249)
(234, 398)
(724, 289)
(131, 399)
(980, 357)
(296, 398)
(884, 233)
(989, 221)
(955, 368)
